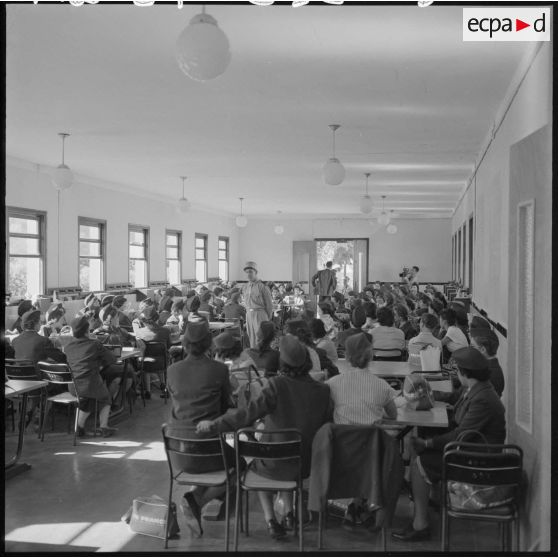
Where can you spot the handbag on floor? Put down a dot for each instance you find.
(148, 516)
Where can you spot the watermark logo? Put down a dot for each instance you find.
(506, 24)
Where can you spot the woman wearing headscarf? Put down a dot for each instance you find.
(290, 400)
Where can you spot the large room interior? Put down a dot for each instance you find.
(446, 148)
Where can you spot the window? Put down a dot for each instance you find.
(463, 276)
(91, 254)
(201, 257)
(26, 249)
(223, 258)
(459, 278)
(173, 249)
(138, 255)
(453, 257)
(471, 242)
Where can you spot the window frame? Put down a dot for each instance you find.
(89, 221)
(205, 260)
(179, 250)
(225, 239)
(40, 217)
(145, 230)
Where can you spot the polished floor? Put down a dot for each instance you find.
(73, 497)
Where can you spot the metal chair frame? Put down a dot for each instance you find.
(163, 352)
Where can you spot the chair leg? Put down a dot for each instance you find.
(300, 535)
(45, 413)
(69, 419)
(320, 528)
(76, 424)
(227, 518)
(168, 516)
(237, 518)
(246, 512)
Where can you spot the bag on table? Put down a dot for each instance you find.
(430, 358)
(417, 390)
(148, 516)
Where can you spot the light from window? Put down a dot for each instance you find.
(173, 243)
(91, 255)
(26, 255)
(201, 258)
(223, 258)
(137, 269)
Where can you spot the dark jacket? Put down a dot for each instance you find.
(234, 311)
(496, 376)
(324, 282)
(480, 410)
(206, 307)
(408, 330)
(29, 345)
(149, 332)
(355, 461)
(285, 402)
(267, 360)
(344, 335)
(86, 357)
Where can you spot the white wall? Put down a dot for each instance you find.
(426, 243)
(29, 187)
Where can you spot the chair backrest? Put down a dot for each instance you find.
(55, 373)
(21, 370)
(116, 350)
(272, 450)
(483, 464)
(193, 448)
(386, 354)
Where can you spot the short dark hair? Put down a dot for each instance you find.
(448, 315)
(440, 296)
(385, 316)
(481, 375)
(218, 291)
(197, 348)
(416, 267)
(410, 304)
(402, 311)
(329, 264)
(317, 328)
(429, 321)
(488, 339)
(360, 360)
(370, 309)
(438, 307)
(195, 304)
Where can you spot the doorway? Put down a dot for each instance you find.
(350, 260)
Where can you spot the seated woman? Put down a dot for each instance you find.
(23, 307)
(479, 408)
(233, 309)
(122, 318)
(290, 400)
(148, 330)
(263, 356)
(454, 337)
(54, 320)
(93, 368)
(326, 313)
(435, 308)
(114, 335)
(90, 310)
(193, 306)
(371, 319)
(200, 390)
(205, 305)
(228, 349)
(424, 339)
(386, 336)
(322, 339)
(401, 315)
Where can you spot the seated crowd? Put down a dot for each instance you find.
(296, 356)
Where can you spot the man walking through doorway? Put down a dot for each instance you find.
(325, 282)
(257, 299)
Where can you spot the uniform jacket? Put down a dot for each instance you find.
(29, 345)
(496, 376)
(234, 311)
(480, 409)
(325, 281)
(257, 297)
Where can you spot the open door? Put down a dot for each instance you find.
(304, 263)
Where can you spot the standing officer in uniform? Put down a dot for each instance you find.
(257, 299)
(325, 282)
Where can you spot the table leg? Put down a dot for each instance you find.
(13, 467)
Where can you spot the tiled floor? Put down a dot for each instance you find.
(73, 497)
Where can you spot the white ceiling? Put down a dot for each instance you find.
(414, 101)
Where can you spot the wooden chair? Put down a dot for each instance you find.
(379, 354)
(155, 360)
(175, 448)
(486, 465)
(249, 481)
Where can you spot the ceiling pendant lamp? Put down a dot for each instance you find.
(241, 220)
(383, 219)
(333, 171)
(366, 200)
(202, 49)
(183, 203)
(279, 229)
(391, 228)
(62, 177)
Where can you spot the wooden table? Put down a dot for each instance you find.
(408, 417)
(383, 369)
(127, 354)
(219, 326)
(12, 389)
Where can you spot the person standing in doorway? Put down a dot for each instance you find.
(325, 283)
(257, 299)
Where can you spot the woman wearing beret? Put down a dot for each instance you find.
(290, 400)
(478, 408)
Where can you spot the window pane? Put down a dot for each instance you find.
(90, 249)
(200, 271)
(138, 273)
(222, 255)
(24, 226)
(137, 252)
(200, 254)
(173, 272)
(25, 276)
(172, 253)
(27, 246)
(90, 232)
(90, 274)
(223, 271)
(137, 237)
(200, 242)
(223, 245)
(172, 239)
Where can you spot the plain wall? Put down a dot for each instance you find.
(494, 267)
(421, 242)
(30, 187)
